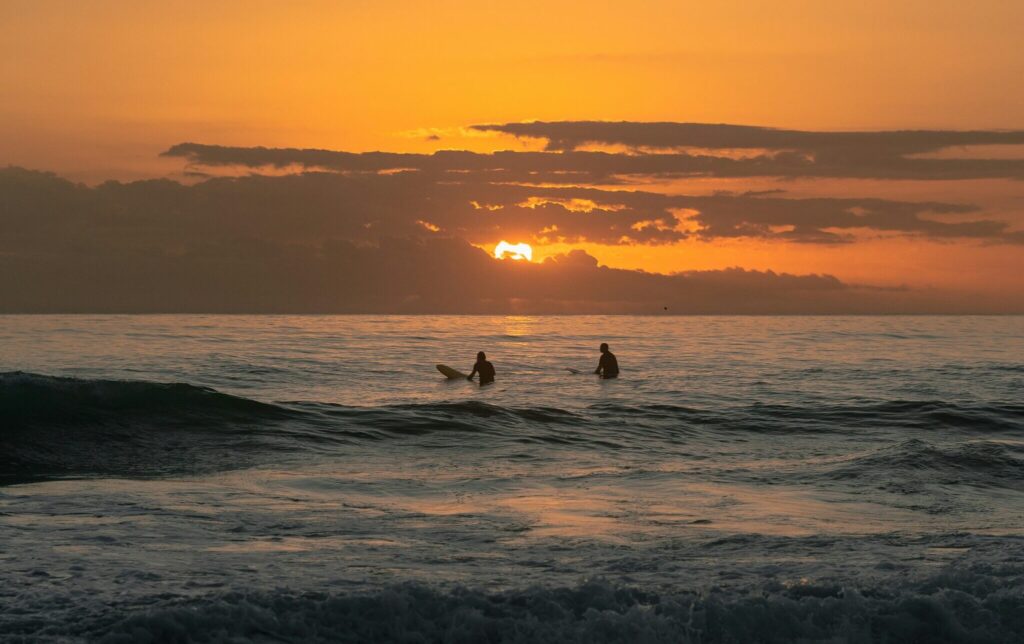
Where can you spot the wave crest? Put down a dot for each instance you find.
(28, 399)
(964, 608)
(910, 464)
(57, 427)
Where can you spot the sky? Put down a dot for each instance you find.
(595, 103)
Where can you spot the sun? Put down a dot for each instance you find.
(513, 251)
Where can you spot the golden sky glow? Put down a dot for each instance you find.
(106, 85)
(96, 90)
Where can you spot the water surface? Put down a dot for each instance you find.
(284, 477)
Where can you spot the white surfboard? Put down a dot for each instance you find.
(451, 374)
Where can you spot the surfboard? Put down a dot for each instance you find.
(574, 371)
(450, 373)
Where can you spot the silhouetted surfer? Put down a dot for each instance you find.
(484, 368)
(608, 367)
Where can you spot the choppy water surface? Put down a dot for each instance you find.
(290, 478)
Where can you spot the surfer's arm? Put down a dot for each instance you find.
(471, 373)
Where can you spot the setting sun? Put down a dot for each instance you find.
(514, 251)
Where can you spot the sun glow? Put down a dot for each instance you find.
(514, 251)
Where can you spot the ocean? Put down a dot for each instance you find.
(314, 478)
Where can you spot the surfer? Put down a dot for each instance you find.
(484, 368)
(608, 366)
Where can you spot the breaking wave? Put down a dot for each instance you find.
(953, 607)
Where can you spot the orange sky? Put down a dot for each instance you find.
(96, 90)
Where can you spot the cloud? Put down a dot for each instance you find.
(857, 160)
(569, 135)
(366, 206)
(335, 243)
(826, 220)
(442, 184)
(338, 231)
(784, 153)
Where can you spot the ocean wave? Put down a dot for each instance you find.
(475, 421)
(916, 414)
(66, 427)
(57, 427)
(780, 418)
(979, 462)
(953, 607)
(29, 400)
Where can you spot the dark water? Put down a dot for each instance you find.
(296, 478)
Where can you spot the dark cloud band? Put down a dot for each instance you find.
(569, 135)
(480, 196)
(326, 242)
(580, 167)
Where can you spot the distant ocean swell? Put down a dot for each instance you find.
(955, 606)
(67, 427)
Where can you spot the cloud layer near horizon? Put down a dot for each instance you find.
(329, 242)
(671, 150)
(569, 135)
(334, 231)
(539, 196)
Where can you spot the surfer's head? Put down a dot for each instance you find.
(480, 356)
(604, 347)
